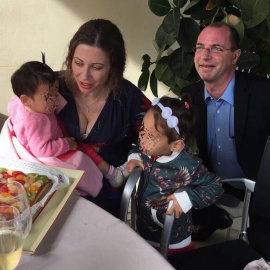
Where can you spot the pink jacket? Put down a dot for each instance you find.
(39, 133)
(91, 181)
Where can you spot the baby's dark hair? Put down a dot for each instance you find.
(30, 76)
(181, 108)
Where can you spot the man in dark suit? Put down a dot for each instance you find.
(232, 112)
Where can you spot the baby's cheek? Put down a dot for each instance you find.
(52, 105)
(50, 108)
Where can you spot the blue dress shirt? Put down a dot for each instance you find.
(220, 133)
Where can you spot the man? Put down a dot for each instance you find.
(232, 117)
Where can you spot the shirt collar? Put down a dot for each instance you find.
(227, 95)
(165, 159)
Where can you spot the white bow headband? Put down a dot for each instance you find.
(166, 113)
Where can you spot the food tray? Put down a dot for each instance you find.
(51, 210)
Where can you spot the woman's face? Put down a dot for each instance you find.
(91, 68)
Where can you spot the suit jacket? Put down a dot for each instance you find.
(251, 120)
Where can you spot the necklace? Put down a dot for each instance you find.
(88, 108)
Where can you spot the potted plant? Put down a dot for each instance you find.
(177, 35)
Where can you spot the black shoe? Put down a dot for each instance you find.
(202, 232)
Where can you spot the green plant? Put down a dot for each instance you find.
(177, 35)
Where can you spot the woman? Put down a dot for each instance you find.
(103, 109)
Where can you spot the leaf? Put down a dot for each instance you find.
(263, 28)
(252, 34)
(169, 51)
(171, 83)
(171, 22)
(181, 63)
(246, 44)
(179, 3)
(235, 3)
(211, 4)
(248, 60)
(203, 15)
(146, 62)
(236, 23)
(143, 80)
(160, 49)
(163, 71)
(159, 7)
(176, 90)
(220, 3)
(153, 83)
(188, 34)
(254, 12)
(180, 82)
(163, 38)
(195, 6)
(192, 4)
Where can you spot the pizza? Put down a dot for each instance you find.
(35, 185)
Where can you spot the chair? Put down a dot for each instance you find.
(128, 197)
(229, 255)
(233, 254)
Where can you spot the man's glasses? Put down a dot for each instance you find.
(213, 49)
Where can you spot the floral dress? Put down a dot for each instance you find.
(180, 172)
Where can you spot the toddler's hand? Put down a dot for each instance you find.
(176, 208)
(72, 143)
(134, 163)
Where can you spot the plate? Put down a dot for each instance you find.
(51, 210)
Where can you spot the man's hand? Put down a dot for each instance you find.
(134, 163)
(176, 208)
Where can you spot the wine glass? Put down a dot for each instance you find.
(10, 237)
(13, 193)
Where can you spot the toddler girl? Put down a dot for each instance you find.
(170, 173)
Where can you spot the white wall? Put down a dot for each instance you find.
(28, 27)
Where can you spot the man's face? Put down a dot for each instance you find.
(218, 65)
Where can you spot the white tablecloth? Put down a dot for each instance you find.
(84, 237)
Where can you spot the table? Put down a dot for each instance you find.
(85, 237)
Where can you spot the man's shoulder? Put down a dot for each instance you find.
(251, 78)
(257, 86)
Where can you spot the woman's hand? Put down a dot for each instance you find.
(72, 143)
(176, 208)
(134, 163)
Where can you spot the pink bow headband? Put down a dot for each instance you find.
(166, 113)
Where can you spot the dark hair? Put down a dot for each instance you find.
(234, 36)
(183, 110)
(30, 76)
(106, 36)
